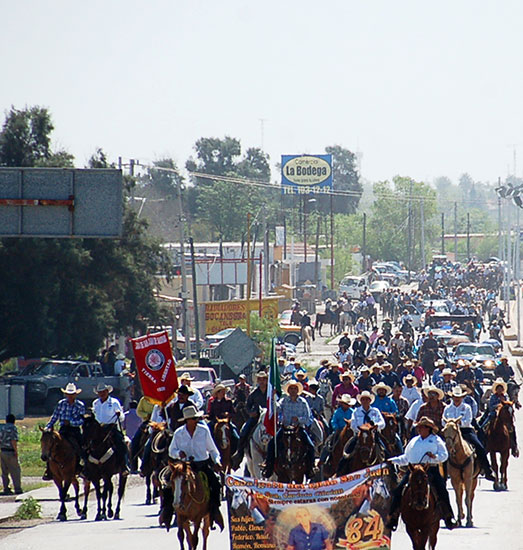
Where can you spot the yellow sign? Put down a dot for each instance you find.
(231, 313)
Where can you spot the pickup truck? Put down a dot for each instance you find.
(43, 384)
(205, 379)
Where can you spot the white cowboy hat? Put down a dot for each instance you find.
(365, 394)
(381, 386)
(410, 378)
(447, 371)
(120, 356)
(186, 376)
(293, 383)
(434, 389)
(347, 374)
(347, 399)
(218, 388)
(191, 412)
(499, 382)
(457, 391)
(70, 389)
(103, 387)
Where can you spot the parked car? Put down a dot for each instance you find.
(483, 354)
(384, 273)
(292, 333)
(377, 288)
(43, 385)
(353, 285)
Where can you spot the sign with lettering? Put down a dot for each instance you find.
(156, 367)
(347, 512)
(232, 313)
(304, 174)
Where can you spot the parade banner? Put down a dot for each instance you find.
(156, 366)
(347, 512)
(304, 174)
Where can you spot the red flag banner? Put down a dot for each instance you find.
(156, 366)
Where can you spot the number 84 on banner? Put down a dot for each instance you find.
(364, 533)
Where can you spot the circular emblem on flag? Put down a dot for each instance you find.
(155, 359)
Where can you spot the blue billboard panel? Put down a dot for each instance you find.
(304, 174)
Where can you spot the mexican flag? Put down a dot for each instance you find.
(273, 391)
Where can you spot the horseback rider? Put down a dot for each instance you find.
(193, 441)
(242, 389)
(315, 400)
(499, 396)
(338, 421)
(69, 412)
(222, 407)
(196, 396)
(143, 410)
(257, 400)
(503, 369)
(293, 410)
(425, 448)
(107, 412)
(459, 409)
(434, 406)
(364, 414)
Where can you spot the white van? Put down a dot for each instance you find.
(353, 285)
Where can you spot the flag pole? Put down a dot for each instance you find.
(274, 399)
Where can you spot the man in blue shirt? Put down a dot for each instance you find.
(307, 535)
(69, 412)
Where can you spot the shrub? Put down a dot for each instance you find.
(29, 509)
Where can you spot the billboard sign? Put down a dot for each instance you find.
(304, 174)
(233, 313)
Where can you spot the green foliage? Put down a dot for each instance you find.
(29, 509)
(263, 330)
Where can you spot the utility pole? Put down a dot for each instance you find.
(468, 236)
(410, 233)
(305, 228)
(266, 286)
(509, 260)
(443, 233)
(195, 300)
(364, 245)
(316, 257)
(518, 276)
(183, 269)
(332, 243)
(455, 231)
(422, 221)
(248, 304)
(500, 238)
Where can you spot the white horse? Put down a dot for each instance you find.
(258, 444)
(306, 334)
(325, 390)
(318, 435)
(345, 322)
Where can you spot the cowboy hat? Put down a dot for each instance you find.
(314, 384)
(434, 389)
(381, 386)
(347, 374)
(185, 389)
(364, 369)
(187, 376)
(293, 383)
(217, 388)
(103, 387)
(426, 421)
(70, 389)
(410, 378)
(191, 412)
(120, 356)
(457, 391)
(262, 374)
(439, 362)
(347, 399)
(499, 382)
(365, 394)
(447, 371)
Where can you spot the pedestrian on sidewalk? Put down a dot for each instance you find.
(9, 455)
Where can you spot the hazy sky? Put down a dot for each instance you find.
(419, 88)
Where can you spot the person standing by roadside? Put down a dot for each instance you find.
(9, 455)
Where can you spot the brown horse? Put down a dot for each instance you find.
(463, 469)
(498, 442)
(190, 502)
(419, 510)
(290, 466)
(62, 466)
(102, 463)
(334, 457)
(390, 433)
(223, 438)
(367, 451)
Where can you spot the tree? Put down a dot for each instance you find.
(345, 177)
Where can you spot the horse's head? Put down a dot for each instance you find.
(419, 486)
(182, 480)
(222, 432)
(366, 441)
(505, 411)
(47, 442)
(91, 428)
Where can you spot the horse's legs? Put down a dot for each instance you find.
(458, 489)
(109, 493)
(74, 483)
(62, 491)
(415, 537)
(122, 481)
(503, 468)
(433, 535)
(196, 528)
(494, 464)
(188, 534)
(181, 529)
(87, 488)
(148, 494)
(205, 530)
(99, 500)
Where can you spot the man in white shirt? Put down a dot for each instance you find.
(459, 409)
(425, 448)
(108, 411)
(410, 392)
(193, 441)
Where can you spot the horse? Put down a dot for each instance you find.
(419, 510)
(148, 468)
(498, 442)
(345, 321)
(223, 438)
(336, 452)
(62, 461)
(325, 390)
(390, 433)
(290, 466)
(240, 415)
(513, 392)
(159, 462)
(101, 464)
(306, 335)
(190, 501)
(330, 317)
(367, 451)
(462, 467)
(257, 449)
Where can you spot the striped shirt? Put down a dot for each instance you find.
(289, 409)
